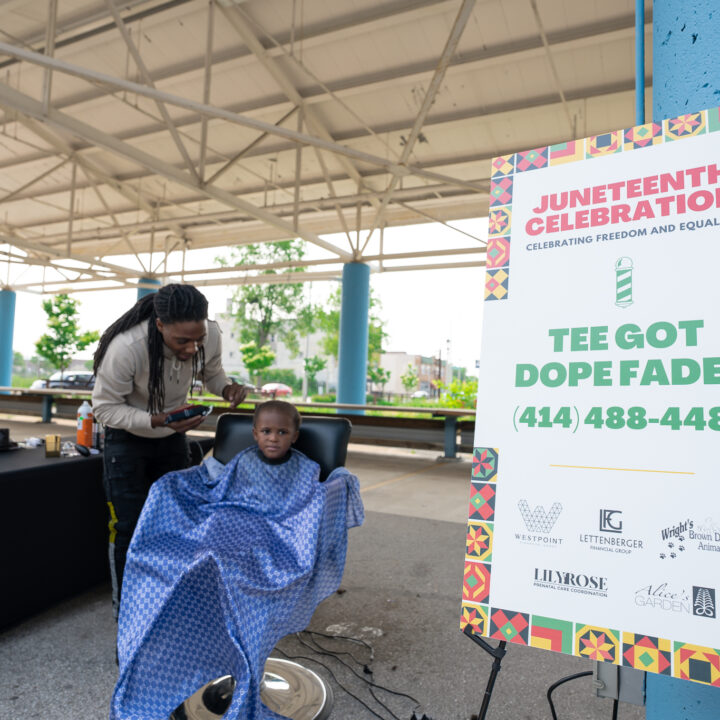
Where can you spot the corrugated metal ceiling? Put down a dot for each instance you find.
(350, 73)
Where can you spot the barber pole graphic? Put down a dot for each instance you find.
(623, 282)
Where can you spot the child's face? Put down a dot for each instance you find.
(274, 432)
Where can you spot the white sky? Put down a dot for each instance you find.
(423, 309)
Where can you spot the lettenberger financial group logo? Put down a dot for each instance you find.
(539, 523)
(611, 537)
(699, 601)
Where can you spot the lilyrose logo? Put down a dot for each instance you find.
(567, 581)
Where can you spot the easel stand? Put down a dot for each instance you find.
(497, 653)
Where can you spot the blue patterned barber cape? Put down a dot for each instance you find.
(224, 562)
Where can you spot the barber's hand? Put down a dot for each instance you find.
(179, 426)
(234, 394)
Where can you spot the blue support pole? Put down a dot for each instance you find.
(450, 437)
(142, 292)
(639, 62)
(47, 406)
(686, 78)
(7, 325)
(686, 67)
(353, 350)
(673, 699)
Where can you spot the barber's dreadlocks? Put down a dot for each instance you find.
(170, 304)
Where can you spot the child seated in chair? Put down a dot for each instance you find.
(276, 425)
(226, 560)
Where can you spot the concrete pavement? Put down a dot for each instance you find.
(400, 593)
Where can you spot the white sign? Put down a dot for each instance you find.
(594, 524)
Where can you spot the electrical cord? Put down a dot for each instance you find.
(367, 671)
(616, 702)
(309, 639)
(358, 641)
(332, 675)
(561, 682)
(366, 668)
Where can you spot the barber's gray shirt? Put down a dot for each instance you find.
(120, 397)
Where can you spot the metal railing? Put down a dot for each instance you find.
(442, 428)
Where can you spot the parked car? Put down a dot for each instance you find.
(69, 380)
(420, 394)
(252, 389)
(276, 389)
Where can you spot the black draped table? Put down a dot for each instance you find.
(53, 529)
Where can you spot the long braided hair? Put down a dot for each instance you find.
(171, 304)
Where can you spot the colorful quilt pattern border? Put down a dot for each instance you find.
(643, 652)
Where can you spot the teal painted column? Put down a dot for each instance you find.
(673, 699)
(353, 350)
(686, 51)
(686, 78)
(7, 325)
(142, 292)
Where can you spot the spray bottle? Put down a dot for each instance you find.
(85, 425)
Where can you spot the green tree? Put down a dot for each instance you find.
(263, 310)
(460, 393)
(377, 375)
(313, 365)
(64, 338)
(327, 320)
(18, 365)
(256, 359)
(409, 378)
(38, 365)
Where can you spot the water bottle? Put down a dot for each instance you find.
(85, 425)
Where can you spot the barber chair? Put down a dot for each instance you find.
(287, 688)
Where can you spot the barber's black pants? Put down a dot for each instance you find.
(132, 464)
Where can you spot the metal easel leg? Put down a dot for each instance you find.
(497, 653)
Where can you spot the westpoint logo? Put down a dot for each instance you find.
(538, 520)
(539, 523)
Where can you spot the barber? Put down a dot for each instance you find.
(145, 364)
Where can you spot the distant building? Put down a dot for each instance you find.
(309, 347)
(428, 369)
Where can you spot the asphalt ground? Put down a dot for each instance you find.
(400, 594)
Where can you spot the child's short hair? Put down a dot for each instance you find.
(281, 406)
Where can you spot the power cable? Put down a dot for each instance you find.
(332, 675)
(561, 682)
(366, 670)
(310, 640)
(568, 679)
(366, 667)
